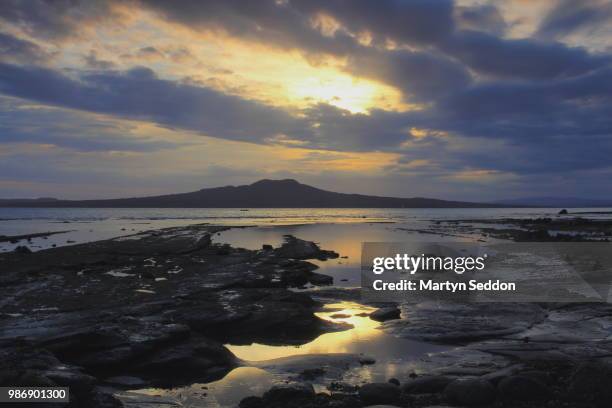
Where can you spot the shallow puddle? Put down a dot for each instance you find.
(394, 357)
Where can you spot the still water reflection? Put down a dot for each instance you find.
(395, 357)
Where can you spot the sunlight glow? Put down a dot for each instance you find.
(356, 96)
(337, 342)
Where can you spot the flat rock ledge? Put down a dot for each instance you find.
(152, 309)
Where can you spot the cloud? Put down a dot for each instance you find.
(523, 58)
(53, 19)
(13, 49)
(92, 61)
(421, 24)
(570, 16)
(482, 103)
(22, 123)
(421, 76)
(138, 94)
(485, 17)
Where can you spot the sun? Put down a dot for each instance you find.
(342, 91)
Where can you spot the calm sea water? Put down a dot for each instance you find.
(90, 224)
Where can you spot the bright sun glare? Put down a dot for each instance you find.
(356, 96)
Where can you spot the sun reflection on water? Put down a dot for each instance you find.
(364, 329)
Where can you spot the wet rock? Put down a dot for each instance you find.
(426, 385)
(379, 393)
(312, 373)
(78, 382)
(22, 249)
(285, 393)
(103, 346)
(523, 388)
(195, 360)
(563, 212)
(267, 247)
(296, 248)
(366, 360)
(342, 387)
(32, 378)
(319, 279)
(470, 392)
(394, 381)
(385, 313)
(126, 381)
(592, 382)
(382, 406)
(102, 399)
(538, 375)
(203, 242)
(454, 322)
(496, 376)
(252, 402)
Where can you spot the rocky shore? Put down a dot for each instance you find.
(152, 309)
(562, 228)
(500, 355)
(156, 308)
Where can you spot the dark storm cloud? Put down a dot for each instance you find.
(139, 94)
(18, 50)
(421, 76)
(416, 21)
(421, 23)
(22, 123)
(268, 21)
(524, 58)
(337, 129)
(541, 105)
(485, 17)
(570, 16)
(53, 19)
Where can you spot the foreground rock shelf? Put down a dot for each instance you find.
(152, 309)
(500, 355)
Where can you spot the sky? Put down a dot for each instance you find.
(466, 100)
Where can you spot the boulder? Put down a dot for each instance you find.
(251, 402)
(426, 385)
(385, 313)
(78, 382)
(198, 359)
(296, 248)
(289, 393)
(470, 392)
(592, 382)
(319, 279)
(22, 249)
(379, 393)
(518, 387)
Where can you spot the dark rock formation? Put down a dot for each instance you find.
(426, 385)
(385, 313)
(379, 393)
(470, 392)
(523, 388)
(153, 309)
